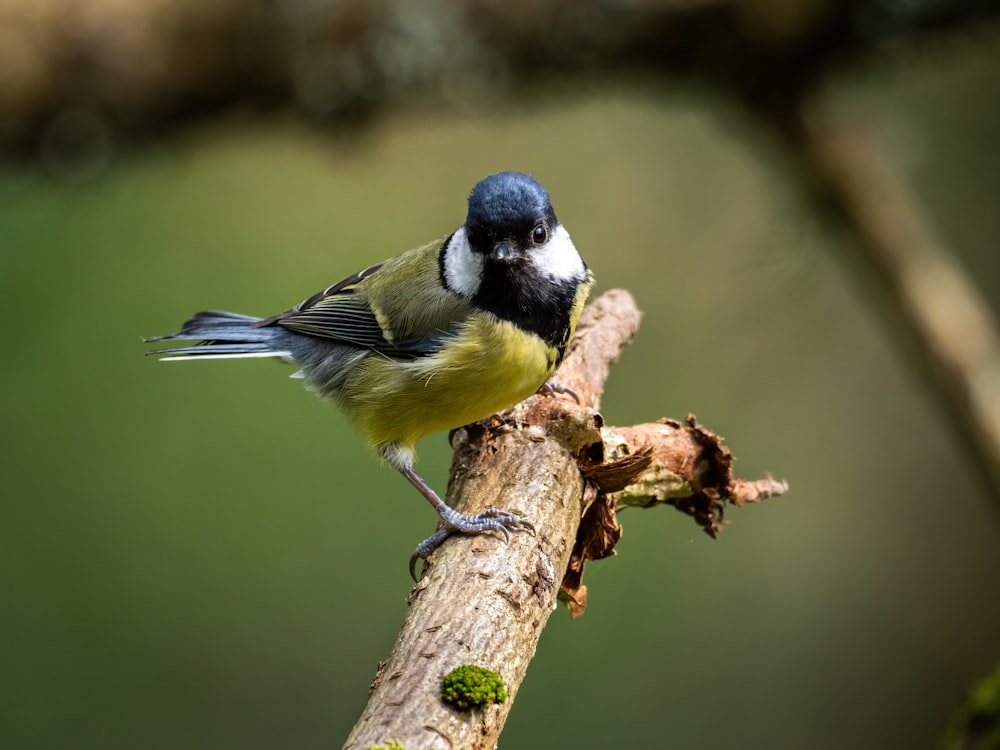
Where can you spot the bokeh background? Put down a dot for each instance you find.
(201, 555)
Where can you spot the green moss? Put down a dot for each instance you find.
(977, 723)
(389, 745)
(469, 687)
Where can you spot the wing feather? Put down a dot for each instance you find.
(342, 312)
(409, 323)
(345, 317)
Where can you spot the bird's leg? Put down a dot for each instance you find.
(491, 519)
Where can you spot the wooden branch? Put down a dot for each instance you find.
(485, 603)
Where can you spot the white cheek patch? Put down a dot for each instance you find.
(463, 269)
(558, 258)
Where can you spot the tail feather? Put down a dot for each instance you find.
(223, 335)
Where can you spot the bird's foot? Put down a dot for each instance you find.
(491, 519)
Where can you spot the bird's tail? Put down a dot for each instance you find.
(224, 335)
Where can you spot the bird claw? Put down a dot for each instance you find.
(492, 519)
(554, 388)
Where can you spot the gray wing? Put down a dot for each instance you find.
(341, 313)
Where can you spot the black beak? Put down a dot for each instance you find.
(506, 251)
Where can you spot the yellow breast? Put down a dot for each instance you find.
(488, 366)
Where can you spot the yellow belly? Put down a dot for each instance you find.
(486, 368)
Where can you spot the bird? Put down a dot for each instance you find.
(442, 336)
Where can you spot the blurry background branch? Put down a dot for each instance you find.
(935, 310)
(76, 77)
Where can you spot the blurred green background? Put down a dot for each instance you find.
(203, 556)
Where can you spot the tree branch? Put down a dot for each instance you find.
(485, 603)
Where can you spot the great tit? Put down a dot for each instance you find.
(436, 338)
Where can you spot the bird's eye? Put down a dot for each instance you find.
(539, 235)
